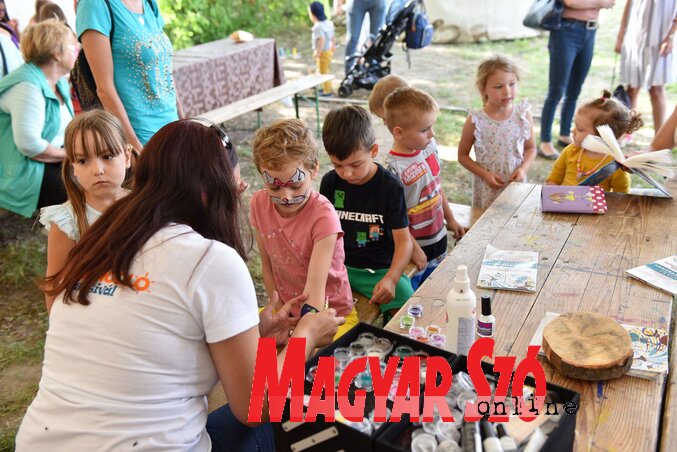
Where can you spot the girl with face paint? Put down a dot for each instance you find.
(297, 230)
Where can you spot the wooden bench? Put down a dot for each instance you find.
(258, 101)
(466, 215)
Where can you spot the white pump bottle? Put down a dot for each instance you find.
(461, 306)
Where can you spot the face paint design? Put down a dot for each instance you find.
(289, 202)
(297, 177)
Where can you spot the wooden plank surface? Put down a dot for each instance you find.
(260, 100)
(582, 266)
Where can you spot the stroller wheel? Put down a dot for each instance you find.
(345, 91)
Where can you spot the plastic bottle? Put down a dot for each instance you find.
(486, 323)
(461, 305)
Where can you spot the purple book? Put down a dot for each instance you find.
(573, 199)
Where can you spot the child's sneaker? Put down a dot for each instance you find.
(323, 94)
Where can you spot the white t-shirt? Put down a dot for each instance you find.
(63, 216)
(131, 371)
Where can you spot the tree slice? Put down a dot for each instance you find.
(587, 346)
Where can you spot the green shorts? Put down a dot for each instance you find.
(363, 280)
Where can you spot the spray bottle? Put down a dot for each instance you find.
(461, 305)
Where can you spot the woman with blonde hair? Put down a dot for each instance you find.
(35, 108)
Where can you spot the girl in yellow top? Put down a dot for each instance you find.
(575, 163)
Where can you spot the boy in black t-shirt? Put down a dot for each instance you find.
(370, 203)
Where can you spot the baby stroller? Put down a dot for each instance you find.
(374, 63)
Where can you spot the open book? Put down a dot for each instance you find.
(649, 346)
(657, 162)
(573, 199)
(661, 274)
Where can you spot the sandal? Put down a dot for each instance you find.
(552, 156)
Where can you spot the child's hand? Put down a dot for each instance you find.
(275, 320)
(520, 175)
(384, 291)
(419, 258)
(455, 227)
(316, 54)
(319, 328)
(494, 180)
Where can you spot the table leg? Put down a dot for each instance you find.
(317, 110)
(258, 118)
(296, 104)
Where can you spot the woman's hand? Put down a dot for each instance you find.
(320, 328)
(275, 319)
(666, 46)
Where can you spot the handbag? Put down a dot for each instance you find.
(619, 93)
(82, 78)
(419, 32)
(544, 15)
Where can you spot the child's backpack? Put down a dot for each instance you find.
(419, 32)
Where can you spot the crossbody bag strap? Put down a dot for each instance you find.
(5, 71)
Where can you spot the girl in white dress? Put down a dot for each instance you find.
(94, 170)
(645, 41)
(501, 132)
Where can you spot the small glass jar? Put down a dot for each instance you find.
(424, 442)
(416, 331)
(383, 344)
(367, 339)
(415, 310)
(438, 340)
(357, 349)
(342, 355)
(310, 376)
(406, 322)
(433, 329)
(403, 351)
(445, 431)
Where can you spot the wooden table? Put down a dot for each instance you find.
(217, 73)
(582, 266)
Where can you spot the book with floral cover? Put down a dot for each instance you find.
(657, 162)
(573, 199)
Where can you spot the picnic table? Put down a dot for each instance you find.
(218, 73)
(582, 263)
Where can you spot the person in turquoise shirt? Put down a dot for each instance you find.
(133, 72)
(35, 108)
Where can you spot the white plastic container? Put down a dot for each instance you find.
(461, 315)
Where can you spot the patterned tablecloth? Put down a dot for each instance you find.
(217, 73)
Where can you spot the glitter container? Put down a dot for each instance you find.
(466, 396)
(378, 424)
(423, 338)
(415, 310)
(437, 340)
(416, 331)
(433, 329)
(384, 345)
(357, 349)
(448, 446)
(342, 355)
(403, 351)
(363, 381)
(446, 431)
(373, 351)
(310, 377)
(366, 339)
(406, 322)
(425, 442)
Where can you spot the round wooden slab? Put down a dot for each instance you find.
(587, 346)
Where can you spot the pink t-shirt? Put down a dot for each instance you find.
(289, 243)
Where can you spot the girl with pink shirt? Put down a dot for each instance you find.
(297, 230)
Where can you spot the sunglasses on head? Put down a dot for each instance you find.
(223, 136)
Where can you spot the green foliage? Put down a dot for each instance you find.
(190, 22)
